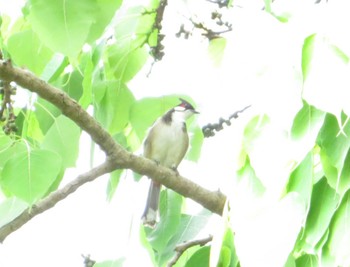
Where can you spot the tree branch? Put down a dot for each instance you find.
(210, 129)
(180, 249)
(117, 156)
(53, 199)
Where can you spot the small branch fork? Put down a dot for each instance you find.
(181, 248)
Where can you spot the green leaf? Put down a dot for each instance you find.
(307, 54)
(31, 127)
(339, 236)
(145, 111)
(126, 59)
(188, 229)
(307, 124)
(86, 98)
(111, 263)
(225, 257)
(28, 175)
(113, 104)
(63, 138)
(128, 54)
(27, 51)
(307, 261)
(199, 258)
(228, 256)
(301, 179)
(270, 152)
(65, 25)
(46, 114)
(54, 68)
(113, 183)
(10, 208)
(324, 202)
(104, 12)
(197, 139)
(10, 149)
(326, 75)
(72, 84)
(170, 214)
(216, 50)
(335, 153)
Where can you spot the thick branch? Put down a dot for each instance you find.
(61, 100)
(117, 157)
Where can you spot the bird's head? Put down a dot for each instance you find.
(184, 109)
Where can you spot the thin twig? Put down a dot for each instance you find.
(52, 199)
(180, 249)
(88, 262)
(210, 129)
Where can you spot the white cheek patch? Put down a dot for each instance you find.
(179, 108)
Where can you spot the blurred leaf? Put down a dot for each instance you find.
(10, 208)
(170, 214)
(63, 138)
(54, 68)
(113, 183)
(28, 175)
(228, 256)
(301, 179)
(335, 153)
(307, 124)
(10, 149)
(126, 59)
(104, 12)
(128, 54)
(324, 202)
(196, 140)
(271, 152)
(307, 261)
(216, 50)
(199, 258)
(307, 54)
(113, 104)
(86, 97)
(326, 75)
(144, 112)
(72, 84)
(339, 236)
(27, 51)
(65, 25)
(46, 114)
(189, 228)
(225, 257)
(111, 263)
(290, 262)
(153, 38)
(31, 127)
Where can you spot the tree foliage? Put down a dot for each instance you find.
(288, 195)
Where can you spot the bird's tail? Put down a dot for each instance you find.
(150, 214)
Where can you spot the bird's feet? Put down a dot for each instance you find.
(174, 168)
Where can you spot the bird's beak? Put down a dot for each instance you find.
(195, 111)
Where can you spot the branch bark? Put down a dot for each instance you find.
(180, 249)
(117, 156)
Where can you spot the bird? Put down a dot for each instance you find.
(166, 143)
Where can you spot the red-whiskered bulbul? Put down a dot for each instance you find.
(166, 144)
